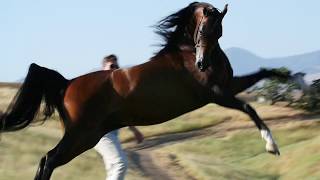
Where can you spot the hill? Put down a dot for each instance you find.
(244, 61)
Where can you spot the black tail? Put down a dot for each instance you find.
(40, 83)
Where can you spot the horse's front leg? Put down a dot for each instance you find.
(241, 83)
(224, 99)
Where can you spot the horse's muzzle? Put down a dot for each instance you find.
(200, 65)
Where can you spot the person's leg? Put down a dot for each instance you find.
(114, 157)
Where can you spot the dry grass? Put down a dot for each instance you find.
(238, 154)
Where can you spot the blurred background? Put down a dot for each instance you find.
(72, 37)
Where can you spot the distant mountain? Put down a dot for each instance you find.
(244, 62)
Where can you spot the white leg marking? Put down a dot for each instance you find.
(267, 136)
(271, 145)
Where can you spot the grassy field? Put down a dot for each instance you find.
(21, 151)
(236, 152)
(240, 154)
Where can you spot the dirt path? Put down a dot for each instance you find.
(153, 166)
(156, 166)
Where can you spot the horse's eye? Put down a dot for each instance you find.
(114, 66)
(206, 12)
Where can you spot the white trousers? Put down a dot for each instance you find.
(115, 159)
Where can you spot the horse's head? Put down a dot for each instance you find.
(207, 32)
(197, 25)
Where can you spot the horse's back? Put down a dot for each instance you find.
(88, 94)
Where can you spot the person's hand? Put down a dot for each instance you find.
(1, 114)
(2, 122)
(137, 134)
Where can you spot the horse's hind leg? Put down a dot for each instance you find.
(43, 170)
(71, 145)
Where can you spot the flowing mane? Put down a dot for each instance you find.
(179, 81)
(174, 28)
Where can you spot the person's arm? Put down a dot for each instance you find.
(137, 134)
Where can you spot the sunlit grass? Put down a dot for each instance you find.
(241, 155)
(238, 154)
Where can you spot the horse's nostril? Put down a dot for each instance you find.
(199, 64)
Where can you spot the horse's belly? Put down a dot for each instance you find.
(161, 95)
(154, 110)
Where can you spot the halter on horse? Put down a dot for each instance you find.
(161, 89)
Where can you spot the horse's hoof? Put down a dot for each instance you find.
(273, 149)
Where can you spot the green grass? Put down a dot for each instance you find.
(21, 151)
(236, 155)
(241, 155)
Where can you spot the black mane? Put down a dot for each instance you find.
(174, 27)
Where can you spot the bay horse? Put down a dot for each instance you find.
(190, 71)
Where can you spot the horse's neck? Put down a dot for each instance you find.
(222, 72)
(219, 58)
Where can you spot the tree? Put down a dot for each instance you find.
(311, 99)
(276, 89)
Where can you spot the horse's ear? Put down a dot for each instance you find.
(225, 10)
(193, 3)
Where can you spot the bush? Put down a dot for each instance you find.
(311, 99)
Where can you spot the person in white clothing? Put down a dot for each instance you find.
(109, 146)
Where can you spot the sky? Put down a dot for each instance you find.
(73, 36)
